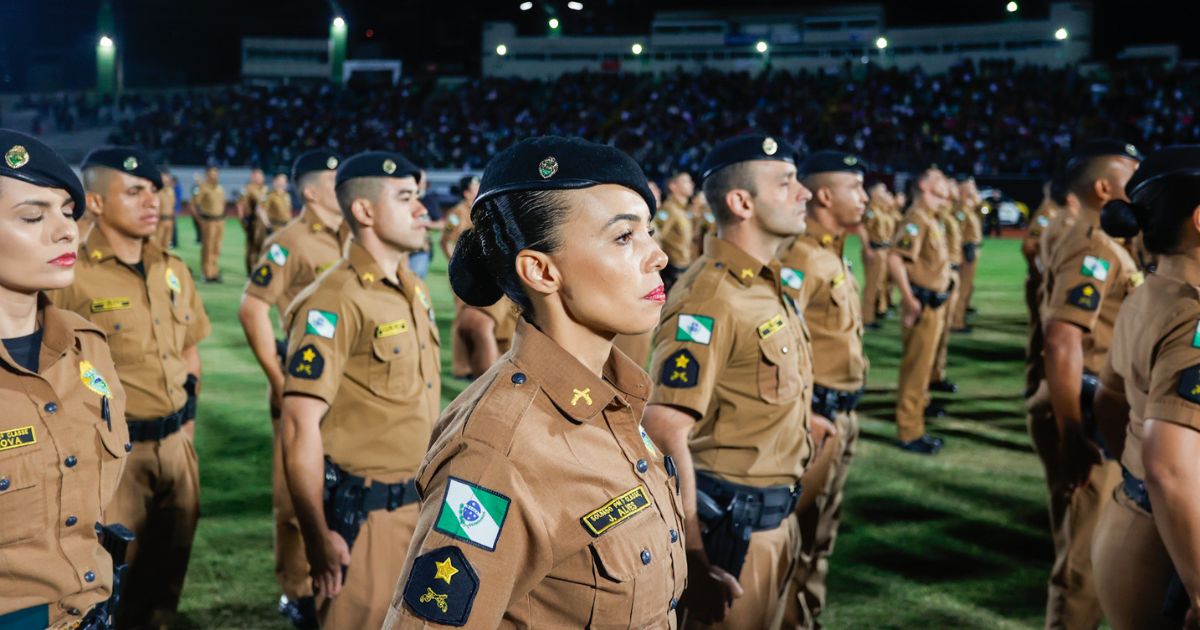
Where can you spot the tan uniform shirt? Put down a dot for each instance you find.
(675, 233)
(580, 526)
(278, 208)
(952, 228)
(1038, 223)
(59, 466)
(733, 351)
(1059, 224)
(209, 200)
(972, 225)
(166, 203)
(252, 196)
(150, 320)
(880, 225)
(369, 349)
(1087, 279)
(458, 220)
(828, 295)
(921, 241)
(292, 259)
(1155, 355)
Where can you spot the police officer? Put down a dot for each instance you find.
(63, 438)
(829, 298)
(292, 259)
(276, 209)
(361, 394)
(1153, 375)
(733, 373)
(249, 211)
(144, 299)
(543, 502)
(967, 215)
(951, 229)
(879, 225)
(208, 207)
(919, 262)
(675, 230)
(166, 211)
(1088, 275)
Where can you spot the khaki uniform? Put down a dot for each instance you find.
(675, 233)
(1087, 278)
(1155, 362)
(829, 298)
(733, 351)
(1034, 292)
(293, 258)
(166, 218)
(954, 240)
(544, 504)
(921, 243)
(209, 205)
(972, 239)
(60, 463)
(254, 196)
(368, 348)
(150, 320)
(880, 225)
(277, 206)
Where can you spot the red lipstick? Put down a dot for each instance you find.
(659, 295)
(66, 260)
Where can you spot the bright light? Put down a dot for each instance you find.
(575, 6)
(881, 43)
(339, 22)
(1061, 34)
(525, 6)
(553, 22)
(637, 49)
(106, 41)
(1011, 7)
(502, 50)
(761, 47)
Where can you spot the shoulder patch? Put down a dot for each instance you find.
(441, 586)
(92, 380)
(661, 216)
(1084, 296)
(1196, 336)
(262, 276)
(453, 220)
(307, 363)
(616, 511)
(277, 254)
(1043, 221)
(1094, 267)
(680, 370)
(320, 323)
(912, 229)
(1189, 384)
(173, 281)
(694, 328)
(472, 514)
(792, 278)
(905, 242)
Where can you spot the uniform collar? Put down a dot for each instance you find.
(58, 334)
(576, 391)
(97, 248)
(313, 223)
(740, 265)
(363, 264)
(822, 237)
(1089, 216)
(1180, 267)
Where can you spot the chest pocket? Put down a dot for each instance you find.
(394, 357)
(183, 318)
(128, 331)
(113, 443)
(629, 590)
(842, 295)
(23, 501)
(778, 368)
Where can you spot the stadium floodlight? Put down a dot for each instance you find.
(554, 23)
(575, 6)
(1011, 7)
(1061, 34)
(636, 48)
(761, 47)
(338, 22)
(525, 6)
(881, 43)
(501, 50)
(106, 41)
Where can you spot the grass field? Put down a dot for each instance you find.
(953, 541)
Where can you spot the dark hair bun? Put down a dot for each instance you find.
(473, 282)
(1120, 219)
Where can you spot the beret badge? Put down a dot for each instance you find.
(548, 167)
(16, 157)
(769, 146)
(130, 163)
(389, 166)
(331, 163)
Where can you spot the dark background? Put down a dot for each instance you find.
(169, 43)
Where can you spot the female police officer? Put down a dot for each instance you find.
(63, 438)
(543, 503)
(1152, 384)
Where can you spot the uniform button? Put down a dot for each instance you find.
(674, 536)
(518, 378)
(3, 484)
(422, 346)
(785, 349)
(128, 446)
(70, 461)
(116, 327)
(642, 466)
(164, 355)
(50, 407)
(395, 350)
(90, 576)
(429, 385)
(71, 520)
(645, 556)
(674, 603)
(156, 322)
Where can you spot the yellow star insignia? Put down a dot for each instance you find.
(747, 273)
(309, 355)
(681, 361)
(584, 394)
(317, 227)
(97, 254)
(826, 239)
(445, 570)
(1088, 290)
(368, 277)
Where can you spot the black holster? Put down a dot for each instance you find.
(343, 502)
(969, 253)
(115, 539)
(1087, 399)
(189, 386)
(730, 513)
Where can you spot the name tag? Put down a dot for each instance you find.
(16, 438)
(616, 511)
(770, 327)
(104, 305)
(391, 329)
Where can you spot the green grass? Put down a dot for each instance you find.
(954, 541)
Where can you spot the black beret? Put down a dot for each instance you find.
(832, 161)
(315, 160)
(1084, 152)
(746, 149)
(377, 164)
(1181, 159)
(28, 159)
(127, 160)
(558, 163)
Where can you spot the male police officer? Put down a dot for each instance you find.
(208, 207)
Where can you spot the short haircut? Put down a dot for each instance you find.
(96, 179)
(1082, 177)
(357, 188)
(737, 176)
(309, 179)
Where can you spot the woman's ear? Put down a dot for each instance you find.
(363, 213)
(537, 272)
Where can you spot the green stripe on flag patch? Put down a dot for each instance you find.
(321, 323)
(694, 328)
(472, 514)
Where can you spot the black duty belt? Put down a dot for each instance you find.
(879, 245)
(931, 298)
(955, 266)
(1135, 489)
(760, 508)
(159, 428)
(828, 401)
(377, 496)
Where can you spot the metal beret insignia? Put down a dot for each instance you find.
(389, 166)
(548, 167)
(331, 163)
(130, 163)
(769, 146)
(16, 157)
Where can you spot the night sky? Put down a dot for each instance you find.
(50, 44)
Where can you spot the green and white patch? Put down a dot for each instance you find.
(694, 328)
(792, 278)
(1094, 267)
(321, 323)
(472, 514)
(277, 254)
(1196, 336)
(912, 229)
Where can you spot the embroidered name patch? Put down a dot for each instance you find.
(770, 327)
(391, 329)
(104, 305)
(616, 511)
(16, 438)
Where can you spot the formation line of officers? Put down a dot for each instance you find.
(566, 486)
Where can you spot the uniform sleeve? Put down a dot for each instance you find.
(323, 332)
(269, 279)
(200, 327)
(1080, 284)
(480, 543)
(1175, 377)
(690, 349)
(1109, 377)
(908, 239)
